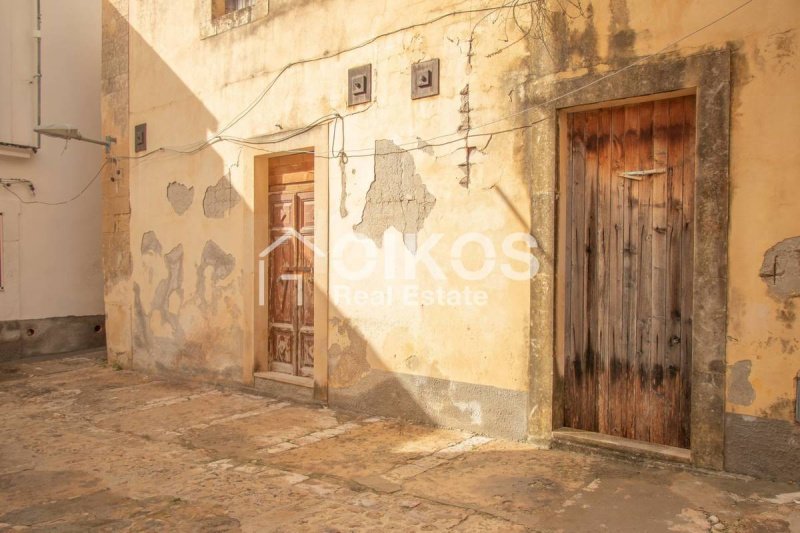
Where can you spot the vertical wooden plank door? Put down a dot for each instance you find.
(291, 266)
(628, 270)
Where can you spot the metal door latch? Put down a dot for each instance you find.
(797, 398)
(638, 174)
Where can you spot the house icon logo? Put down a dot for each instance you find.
(287, 236)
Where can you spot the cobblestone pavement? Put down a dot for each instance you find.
(85, 447)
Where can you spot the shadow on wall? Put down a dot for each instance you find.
(187, 286)
(187, 299)
(187, 283)
(359, 380)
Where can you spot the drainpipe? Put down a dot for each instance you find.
(38, 36)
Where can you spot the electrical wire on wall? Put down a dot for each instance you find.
(200, 145)
(193, 148)
(417, 144)
(7, 183)
(339, 119)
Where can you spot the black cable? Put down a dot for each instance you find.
(7, 187)
(490, 134)
(410, 144)
(214, 139)
(367, 42)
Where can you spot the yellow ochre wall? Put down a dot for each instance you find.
(176, 297)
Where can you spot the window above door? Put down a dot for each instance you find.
(234, 5)
(222, 15)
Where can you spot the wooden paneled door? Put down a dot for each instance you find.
(627, 270)
(291, 266)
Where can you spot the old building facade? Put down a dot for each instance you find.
(506, 217)
(51, 272)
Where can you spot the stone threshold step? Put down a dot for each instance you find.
(285, 378)
(645, 450)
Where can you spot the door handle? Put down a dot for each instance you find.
(638, 174)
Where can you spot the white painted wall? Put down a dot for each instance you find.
(52, 254)
(17, 69)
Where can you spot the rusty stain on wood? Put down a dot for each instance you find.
(628, 293)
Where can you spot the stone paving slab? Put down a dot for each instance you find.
(86, 448)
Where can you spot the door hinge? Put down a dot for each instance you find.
(638, 174)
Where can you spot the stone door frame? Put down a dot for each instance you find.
(708, 75)
(256, 183)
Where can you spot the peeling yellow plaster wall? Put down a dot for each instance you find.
(205, 82)
(763, 38)
(187, 88)
(765, 158)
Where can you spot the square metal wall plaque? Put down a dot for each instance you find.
(425, 79)
(140, 137)
(359, 85)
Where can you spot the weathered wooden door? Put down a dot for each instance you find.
(628, 270)
(291, 266)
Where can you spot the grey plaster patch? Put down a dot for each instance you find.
(141, 328)
(180, 196)
(220, 264)
(220, 198)
(424, 146)
(453, 404)
(202, 349)
(347, 359)
(173, 283)
(762, 447)
(210, 356)
(780, 269)
(150, 243)
(397, 197)
(740, 390)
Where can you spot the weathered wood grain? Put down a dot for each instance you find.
(629, 266)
